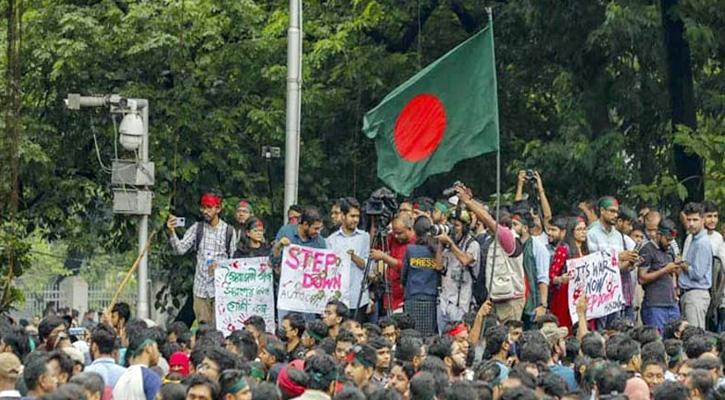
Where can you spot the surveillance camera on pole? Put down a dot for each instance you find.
(132, 178)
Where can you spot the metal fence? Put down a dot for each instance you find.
(38, 301)
(52, 297)
(100, 296)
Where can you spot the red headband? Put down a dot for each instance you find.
(460, 328)
(259, 224)
(288, 385)
(580, 219)
(209, 200)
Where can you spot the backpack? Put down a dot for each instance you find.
(229, 235)
(716, 293)
(478, 287)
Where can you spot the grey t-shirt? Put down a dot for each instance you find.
(660, 292)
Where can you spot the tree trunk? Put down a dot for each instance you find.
(689, 168)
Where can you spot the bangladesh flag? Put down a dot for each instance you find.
(446, 113)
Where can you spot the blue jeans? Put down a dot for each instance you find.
(659, 316)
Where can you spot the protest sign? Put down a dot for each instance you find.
(243, 287)
(597, 276)
(312, 277)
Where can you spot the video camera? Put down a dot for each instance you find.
(381, 203)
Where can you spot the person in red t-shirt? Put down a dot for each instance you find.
(398, 240)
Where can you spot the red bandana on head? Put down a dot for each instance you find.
(456, 330)
(210, 200)
(259, 224)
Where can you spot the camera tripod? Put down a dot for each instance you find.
(378, 241)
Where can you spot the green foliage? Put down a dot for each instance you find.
(582, 98)
(14, 261)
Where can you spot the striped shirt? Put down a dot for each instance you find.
(212, 247)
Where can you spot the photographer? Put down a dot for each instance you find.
(398, 240)
(505, 272)
(458, 256)
(533, 176)
(421, 278)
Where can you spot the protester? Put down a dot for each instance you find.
(536, 267)
(294, 213)
(573, 246)
(696, 276)
(304, 233)
(213, 240)
(354, 242)
(253, 244)
(602, 235)
(10, 368)
(657, 274)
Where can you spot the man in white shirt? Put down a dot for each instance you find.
(355, 242)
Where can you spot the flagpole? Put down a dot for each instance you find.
(498, 148)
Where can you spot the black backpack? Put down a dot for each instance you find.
(229, 235)
(478, 288)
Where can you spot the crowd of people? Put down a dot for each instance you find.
(455, 301)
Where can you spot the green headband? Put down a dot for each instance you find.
(237, 386)
(257, 373)
(441, 207)
(608, 202)
(314, 335)
(142, 346)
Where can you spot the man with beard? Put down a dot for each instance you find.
(245, 211)
(398, 240)
(657, 273)
(696, 276)
(556, 232)
(602, 235)
(536, 268)
(305, 233)
(458, 256)
(214, 240)
(355, 242)
(452, 353)
(710, 216)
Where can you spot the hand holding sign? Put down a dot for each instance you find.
(596, 277)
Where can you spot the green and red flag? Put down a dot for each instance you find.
(446, 113)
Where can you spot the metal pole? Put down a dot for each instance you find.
(142, 307)
(292, 129)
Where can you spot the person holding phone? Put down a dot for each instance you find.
(214, 240)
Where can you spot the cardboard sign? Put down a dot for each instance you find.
(243, 287)
(598, 277)
(309, 278)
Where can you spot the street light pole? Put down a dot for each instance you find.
(294, 99)
(142, 304)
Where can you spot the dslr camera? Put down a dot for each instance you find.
(451, 191)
